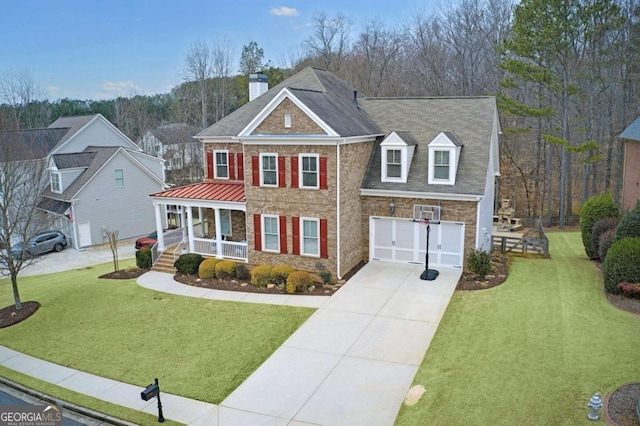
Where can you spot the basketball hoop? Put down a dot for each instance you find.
(428, 215)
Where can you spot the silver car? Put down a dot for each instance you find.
(41, 243)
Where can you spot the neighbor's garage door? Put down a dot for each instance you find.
(404, 241)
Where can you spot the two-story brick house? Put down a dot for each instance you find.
(311, 175)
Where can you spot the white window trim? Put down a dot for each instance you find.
(115, 173)
(269, 154)
(226, 212)
(215, 163)
(263, 236)
(301, 172)
(452, 162)
(403, 163)
(287, 120)
(302, 236)
(59, 175)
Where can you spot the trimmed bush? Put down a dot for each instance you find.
(604, 245)
(207, 268)
(595, 208)
(261, 275)
(226, 269)
(280, 273)
(326, 277)
(479, 262)
(242, 273)
(629, 290)
(188, 263)
(298, 282)
(629, 225)
(622, 264)
(599, 228)
(143, 258)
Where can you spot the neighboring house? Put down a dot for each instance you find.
(630, 170)
(181, 152)
(310, 175)
(97, 179)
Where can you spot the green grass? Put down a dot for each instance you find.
(531, 351)
(201, 349)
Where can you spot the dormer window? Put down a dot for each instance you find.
(444, 154)
(56, 185)
(394, 163)
(397, 151)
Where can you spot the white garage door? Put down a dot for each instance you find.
(405, 241)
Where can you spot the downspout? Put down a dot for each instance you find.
(73, 225)
(478, 237)
(339, 275)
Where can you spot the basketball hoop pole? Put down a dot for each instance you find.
(428, 274)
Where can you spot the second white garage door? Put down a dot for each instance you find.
(404, 241)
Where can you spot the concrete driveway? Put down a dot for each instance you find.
(353, 361)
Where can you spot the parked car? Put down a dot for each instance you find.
(147, 241)
(40, 243)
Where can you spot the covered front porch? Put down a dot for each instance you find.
(209, 218)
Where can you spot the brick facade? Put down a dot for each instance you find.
(300, 122)
(631, 183)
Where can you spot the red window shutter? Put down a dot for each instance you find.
(323, 239)
(232, 167)
(257, 232)
(295, 222)
(281, 176)
(255, 166)
(294, 172)
(323, 172)
(240, 165)
(210, 165)
(283, 235)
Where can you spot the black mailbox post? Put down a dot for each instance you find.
(151, 391)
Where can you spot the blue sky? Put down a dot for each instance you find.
(88, 49)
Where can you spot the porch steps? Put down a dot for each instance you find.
(165, 263)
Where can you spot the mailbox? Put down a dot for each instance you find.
(150, 392)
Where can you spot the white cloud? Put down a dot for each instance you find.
(114, 89)
(53, 90)
(283, 11)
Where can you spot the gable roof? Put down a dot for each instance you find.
(632, 132)
(73, 160)
(175, 133)
(76, 124)
(31, 144)
(467, 121)
(329, 97)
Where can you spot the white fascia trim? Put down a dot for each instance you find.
(217, 139)
(293, 140)
(228, 205)
(359, 139)
(420, 195)
(285, 93)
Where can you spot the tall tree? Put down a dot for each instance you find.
(18, 89)
(199, 69)
(252, 59)
(329, 43)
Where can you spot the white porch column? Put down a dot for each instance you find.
(218, 234)
(190, 230)
(201, 221)
(158, 211)
(183, 220)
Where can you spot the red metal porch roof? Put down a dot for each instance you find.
(211, 191)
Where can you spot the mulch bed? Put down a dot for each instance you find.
(125, 274)
(10, 315)
(498, 274)
(246, 287)
(621, 405)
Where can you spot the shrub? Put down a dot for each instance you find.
(188, 263)
(226, 269)
(479, 262)
(143, 258)
(298, 281)
(326, 277)
(599, 228)
(629, 225)
(622, 264)
(261, 275)
(604, 245)
(317, 280)
(207, 268)
(242, 273)
(595, 208)
(629, 290)
(279, 273)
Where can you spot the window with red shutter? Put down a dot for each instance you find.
(232, 167)
(294, 172)
(295, 227)
(255, 170)
(210, 165)
(240, 165)
(283, 235)
(323, 239)
(257, 232)
(323, 172)
(282, 182)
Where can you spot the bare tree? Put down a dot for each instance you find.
(22, 168)
(329, 43)
(18, 89)
(222, 69)
(199, 69)
(113, 245)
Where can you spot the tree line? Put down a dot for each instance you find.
(565, 73)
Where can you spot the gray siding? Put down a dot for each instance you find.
(97, 133)
(127, 209)
(67, 177)
(154, 164)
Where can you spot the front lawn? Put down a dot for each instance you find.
(531, 351)
(201, 349)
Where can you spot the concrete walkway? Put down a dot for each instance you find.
(351, 362)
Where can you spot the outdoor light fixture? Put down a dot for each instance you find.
(594, 405)
(392, 207)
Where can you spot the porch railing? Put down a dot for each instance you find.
(172, 237)
(229, 249)
(154, 254)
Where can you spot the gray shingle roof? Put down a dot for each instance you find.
(31, 144)
(73, 125)
(632, 132)
(54, 206)
(175, 133)
(469, 119)
(330, 98)
(73, 160)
